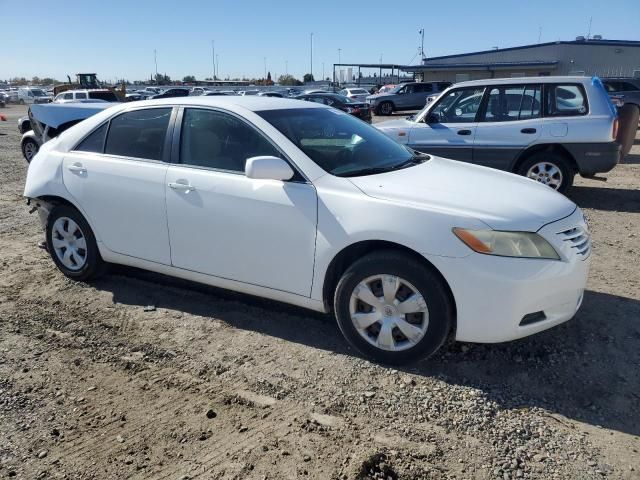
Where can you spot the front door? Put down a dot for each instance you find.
(448, 129)
(510, 123)
(117, 174)
(224, 224)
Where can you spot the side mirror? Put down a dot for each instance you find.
(433, 118)
(268, 168)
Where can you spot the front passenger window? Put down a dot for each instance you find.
(220, 141)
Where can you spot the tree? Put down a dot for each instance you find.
(35, 80)
(308, 77)
(289, 80)
(162, 79)
(189, 79)
(49, 81)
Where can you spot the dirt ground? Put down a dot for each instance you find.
(141, 376)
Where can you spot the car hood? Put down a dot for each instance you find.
(380, 95)
(394, 124)
(501, 200)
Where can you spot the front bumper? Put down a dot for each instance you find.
(494, 295)
(593, 158)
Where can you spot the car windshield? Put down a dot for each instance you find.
(38, 93)
(340, 143)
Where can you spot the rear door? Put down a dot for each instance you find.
(510, 122)
(117, 176)
(448, 129)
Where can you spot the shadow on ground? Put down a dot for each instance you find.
(586, 369)
(603, 198)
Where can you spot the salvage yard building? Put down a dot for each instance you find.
(593, 56)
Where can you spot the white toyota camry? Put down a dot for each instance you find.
(305, 204)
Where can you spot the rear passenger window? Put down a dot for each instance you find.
(565, 100)
(511, 103)
(139, 134)
(221, 141)
(95, 141)
(81, 96)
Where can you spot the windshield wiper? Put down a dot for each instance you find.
(414, 160)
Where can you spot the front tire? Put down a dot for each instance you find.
(393, 309)
(72, 245)
(385, 108)
(549, 169)
(29, 149)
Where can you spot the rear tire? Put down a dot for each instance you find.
(385, 108)
(549, 169)
(72, 245)
(406, 314)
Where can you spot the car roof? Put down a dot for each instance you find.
(253, 103)
(85, 90)
(512, 80)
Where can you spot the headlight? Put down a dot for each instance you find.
(507, 244)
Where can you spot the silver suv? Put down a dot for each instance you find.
(406, 96)
(545, 128)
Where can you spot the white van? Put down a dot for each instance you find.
(31, 95)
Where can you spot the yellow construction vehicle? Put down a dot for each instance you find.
(88, 81)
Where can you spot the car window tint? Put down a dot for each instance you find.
(565, 100)
(139, 134)
(221, 141)
(68, 96)
(81, 95)
(512, 103)
(95, 141)
(459, 106)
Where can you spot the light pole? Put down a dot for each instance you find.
(213, 57)
(217, 67)
(311, 71)
(265, 70)
(422, 44)
(155, 59)
(286, 67)
(322, 72)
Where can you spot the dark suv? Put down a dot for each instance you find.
(625, 89)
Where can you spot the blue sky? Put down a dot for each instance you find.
(117, 38)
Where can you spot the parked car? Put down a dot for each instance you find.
(304, 204)
(407, 96)
(358, 94)
(196, 91)
(248, 92)
(48, 121)
(214, 93)
(269, 93)
(546, 128)
(31, 95)
(71, 96)
(4, 99)
(24, 124)
(172, 93)
(627, 90)
(357, 109)
(385, 89)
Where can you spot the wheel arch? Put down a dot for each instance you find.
(555, 148)
(51, 201)
(349, 254)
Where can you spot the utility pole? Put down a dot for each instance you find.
(589, 32)
(422, 44)
(217, 67)
(539, 34)
(322, 72)
(213, 57)
(265, 70)
(311, 71)
(339, 55)
(155, 59)
(286, 67)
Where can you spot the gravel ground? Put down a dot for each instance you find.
(142, 376)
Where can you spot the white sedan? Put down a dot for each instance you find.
(305, 204)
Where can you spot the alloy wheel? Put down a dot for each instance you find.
(546, 173)
(389, 312)
(30, 150)
(69, 243)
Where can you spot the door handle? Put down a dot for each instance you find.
(464, 132)
(77, 168)
(528, 130)
(182, 186)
